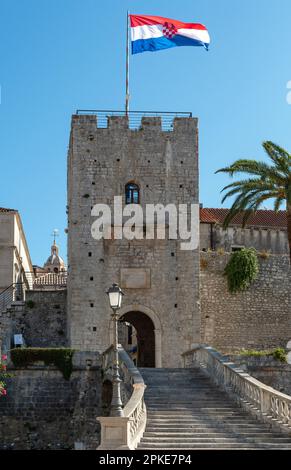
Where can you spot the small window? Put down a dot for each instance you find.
(131, 193)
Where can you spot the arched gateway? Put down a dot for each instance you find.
(148, 327)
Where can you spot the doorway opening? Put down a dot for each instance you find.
(137, 336)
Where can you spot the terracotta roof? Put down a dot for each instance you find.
(4, 209)
(207, 217)
(261, 218)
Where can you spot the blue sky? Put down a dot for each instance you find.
(60, 55)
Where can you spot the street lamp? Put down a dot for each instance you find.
(115, 298)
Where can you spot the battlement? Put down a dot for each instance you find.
(134, 120)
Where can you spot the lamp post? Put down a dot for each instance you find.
(115, 298)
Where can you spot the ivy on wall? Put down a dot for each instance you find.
(242, 269)
(60, 357)
(279, 354)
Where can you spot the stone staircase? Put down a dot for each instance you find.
(185, 410)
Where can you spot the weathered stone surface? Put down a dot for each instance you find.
(135, 278)
(258, 318)
(41, 319)
(42, 410)
(271, 372)
(165, 166)
(272, 239)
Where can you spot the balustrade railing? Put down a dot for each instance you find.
(124, 432)
(15, 292)
(269, 403)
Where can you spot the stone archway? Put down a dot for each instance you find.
(144, 349)
(127, 313)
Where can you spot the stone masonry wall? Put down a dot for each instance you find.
(42, 410)
(271, 372)
(258, 318)
(42, 320)
(274, 240)
(165, 166)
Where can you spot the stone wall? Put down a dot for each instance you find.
(257, 318)
(271, 372)
(41, 319)
(165, 284)
(42, 410)
(273, 240)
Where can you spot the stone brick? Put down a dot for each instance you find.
(258, 318)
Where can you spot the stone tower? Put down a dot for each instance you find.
(160, 281)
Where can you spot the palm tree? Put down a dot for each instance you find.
(267, 181)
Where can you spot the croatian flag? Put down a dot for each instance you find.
(152, 33)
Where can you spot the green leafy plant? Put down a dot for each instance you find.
(242, 269)
(279, 353)
(60, 357)
(30, 303)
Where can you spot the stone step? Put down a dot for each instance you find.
(193, 424)
(185, 410)
(199, 413)
(213, 446)
(219, 439)
(202, 428)
(211, 434)
(188, 405)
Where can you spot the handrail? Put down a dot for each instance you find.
(11, 293)
(132, 424)
(271, 404)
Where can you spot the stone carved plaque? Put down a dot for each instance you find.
(135, 278)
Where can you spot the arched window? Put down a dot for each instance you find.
(131, 193)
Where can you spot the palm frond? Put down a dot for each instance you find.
(280, 157)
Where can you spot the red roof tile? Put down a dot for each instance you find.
(261, 218)
(207, 217)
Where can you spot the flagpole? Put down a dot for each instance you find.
(127, 68)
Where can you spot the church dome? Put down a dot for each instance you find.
(54, 262)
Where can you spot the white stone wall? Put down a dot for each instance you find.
(14, 254)
(165, 166)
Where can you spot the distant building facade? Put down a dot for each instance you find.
(266, 230)
(15, 262)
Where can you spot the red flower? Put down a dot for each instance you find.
(4, 357)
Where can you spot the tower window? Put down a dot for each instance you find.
(131, 193)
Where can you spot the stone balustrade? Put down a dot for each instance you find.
(267, 403)
(124, 432)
